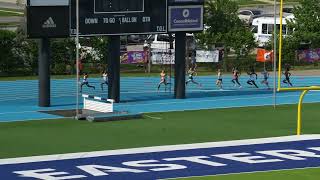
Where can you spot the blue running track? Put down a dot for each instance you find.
(19, 99)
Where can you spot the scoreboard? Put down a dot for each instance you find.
(119, 17)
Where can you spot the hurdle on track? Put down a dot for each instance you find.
(99, 104)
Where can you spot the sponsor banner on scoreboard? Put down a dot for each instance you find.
(207, 56)
(162, 56)
(176, 161)
(185, 18)
(47, 21)
(310, 55)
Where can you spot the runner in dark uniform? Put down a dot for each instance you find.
(191, 73)
(235, 79)
(252, 77)
(85, 82)
(287, 75)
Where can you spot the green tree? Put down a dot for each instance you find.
(61, 55)
(7, 62)
(26, 53)
(223, 27)
(241, 40)
(306, 24)
(306, 34)
(307, 16)
(93, 52)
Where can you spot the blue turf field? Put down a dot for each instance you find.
(19, 99)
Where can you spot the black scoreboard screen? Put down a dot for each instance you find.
(112, 6)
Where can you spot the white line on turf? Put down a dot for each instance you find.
(152, 117)
(227, 107)
(14, 12)
(157, 149)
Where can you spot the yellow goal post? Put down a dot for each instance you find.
(304, 90)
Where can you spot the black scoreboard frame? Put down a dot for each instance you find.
(119, 29)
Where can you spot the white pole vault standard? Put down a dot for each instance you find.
(98, 104)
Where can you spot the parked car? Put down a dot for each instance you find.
(136, 39)
(162, 41)
(247, 15)
(287, 10)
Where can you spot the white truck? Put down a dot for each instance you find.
(263, 27)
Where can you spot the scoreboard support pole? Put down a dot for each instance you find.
(44, 72)
(180, 66)
(114, 68)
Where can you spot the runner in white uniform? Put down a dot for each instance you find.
(104, 79)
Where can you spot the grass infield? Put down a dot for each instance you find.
(44, 137)
(66, 136)
(296, 174)
(4, 12)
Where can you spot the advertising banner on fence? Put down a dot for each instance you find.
(162, 56)
(310, 55)
(207, 56)
(133, 57)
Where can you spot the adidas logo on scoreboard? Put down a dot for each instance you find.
(49, 23)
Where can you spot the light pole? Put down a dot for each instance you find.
(77, 56)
